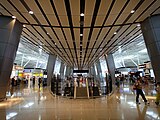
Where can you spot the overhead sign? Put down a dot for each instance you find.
(80, 71)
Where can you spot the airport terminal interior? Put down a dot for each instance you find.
(79, 59)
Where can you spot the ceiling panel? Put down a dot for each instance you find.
(126, 31)
(75, 8)
(59, 34)
(54, 28)
(70, 42)
(52, 35)
(89, 9)
(85, 37)
(115, 11)
(4, 12)
(95, 33)
(131, 5)
(104, 6)
(12, 10)
(40, 30)
(68, 34)
(7, 5)
(138, 12)
(110, 19)
(36, 11)
(149, 11)
(61, 10)
(103, 33)
(77, 37)
(121, 32)
(24, 12)
(47, 7)
(157, 11)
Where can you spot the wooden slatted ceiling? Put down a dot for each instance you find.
(56, 25)
(144, 10)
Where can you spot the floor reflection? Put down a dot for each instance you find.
(33, 103)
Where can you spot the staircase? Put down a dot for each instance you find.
(81, 92)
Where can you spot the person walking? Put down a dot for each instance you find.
(158, 93)
(39, 82)
(139, 91)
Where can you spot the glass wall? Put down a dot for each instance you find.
(65, 70)
(57, 66)
(30, 56)
(95, 68)
(132, 54)
(104, 70)
(103, 66)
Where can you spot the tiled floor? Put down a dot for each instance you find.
(34, 104)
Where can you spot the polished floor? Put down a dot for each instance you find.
(28, 103)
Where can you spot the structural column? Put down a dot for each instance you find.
(50, 68)
(151, 33)
(67, 68)
(70, 71)
(62, 70)
(10, 31)
(99, 71)
(92, 70)
(111, 66)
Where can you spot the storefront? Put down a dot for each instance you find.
(17, 71)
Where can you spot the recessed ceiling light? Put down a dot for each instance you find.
(14, 17)
(24, 26)
(115, 33)
(132, 11)
(138, 25)
(30, 12)
(82, 14)
(81, 34)
(47, 33)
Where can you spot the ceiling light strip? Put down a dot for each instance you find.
(55, 11)
(26, 6)
(142, 13)
(68, 10)
(124, 6)
(96, 8)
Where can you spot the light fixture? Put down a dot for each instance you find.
(81, 34)
(30, 12)
(14, 17)
(82, 14)
(138, 25)
(47, 33)
(132, 11)
(115, 33)
(24, 26)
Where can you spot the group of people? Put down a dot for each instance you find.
(138, 87)
(138, 82)
(16, 81)
(119, 80)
